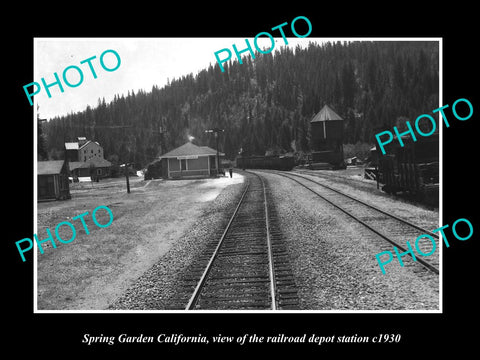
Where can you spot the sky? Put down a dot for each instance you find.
(145, 62)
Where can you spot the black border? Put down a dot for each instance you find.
(62, 333)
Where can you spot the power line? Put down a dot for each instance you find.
(115, 127)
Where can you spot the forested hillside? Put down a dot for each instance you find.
(264, 104)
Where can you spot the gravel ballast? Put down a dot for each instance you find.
(333, 258)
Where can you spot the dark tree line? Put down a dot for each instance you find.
(266, 103)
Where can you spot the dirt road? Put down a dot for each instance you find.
(90, 272)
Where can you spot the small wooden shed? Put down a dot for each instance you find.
(52, 180)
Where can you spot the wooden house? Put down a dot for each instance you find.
(52, 180)
(83, 150)
(86, 159)
(94, 168)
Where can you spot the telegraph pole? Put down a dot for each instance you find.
(126, 177)
(126, 164)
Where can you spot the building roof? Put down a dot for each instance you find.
(190, 149)
(71, 145)
(51, 167)
(76, 146)
(97, 162)
(77, 164)
(326, 114)
(88, 142)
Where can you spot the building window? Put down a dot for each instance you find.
(99, 171)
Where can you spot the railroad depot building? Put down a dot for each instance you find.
(188, 161)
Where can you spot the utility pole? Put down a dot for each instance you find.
(126, 164)
(126, 177)
(216, 131)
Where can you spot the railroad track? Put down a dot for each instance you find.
(329, 175)
(393, 229)
(248, 267)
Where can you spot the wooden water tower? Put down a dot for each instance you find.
(327, 137)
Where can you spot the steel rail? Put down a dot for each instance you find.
(420, 260)
(269, 246)
(370, 206)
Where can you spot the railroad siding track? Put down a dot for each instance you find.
(246, 267)
(392, 229)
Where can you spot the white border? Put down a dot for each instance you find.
(440, 190)
(35, 187)
(193, 312)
